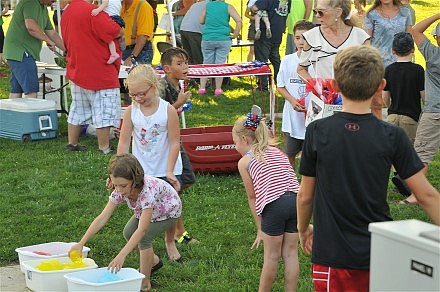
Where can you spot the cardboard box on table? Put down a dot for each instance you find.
(317, 109)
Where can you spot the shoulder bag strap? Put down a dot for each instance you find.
(133, 31)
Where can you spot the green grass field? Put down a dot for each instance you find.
(50, 195)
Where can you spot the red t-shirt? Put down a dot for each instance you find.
(86, 39)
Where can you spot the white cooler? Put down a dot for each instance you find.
(405, 256)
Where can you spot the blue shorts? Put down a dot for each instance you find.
(215, 52)
(24, 75)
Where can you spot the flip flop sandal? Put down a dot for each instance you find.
(401, 186)
(406, 202)
(186, 238)
(157, 266)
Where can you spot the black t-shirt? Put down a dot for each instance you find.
(405, 80)
(351, 156)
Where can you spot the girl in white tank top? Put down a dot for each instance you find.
(151, 125)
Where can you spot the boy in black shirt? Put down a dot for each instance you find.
(403, 93)
(405, 88)
(345, 164)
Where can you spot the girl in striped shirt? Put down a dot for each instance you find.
(271, 186)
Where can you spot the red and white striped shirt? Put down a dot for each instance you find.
(272, 178)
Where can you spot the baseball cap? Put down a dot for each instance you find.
(436, 30)
(403, 43)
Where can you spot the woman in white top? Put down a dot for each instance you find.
(323, 42)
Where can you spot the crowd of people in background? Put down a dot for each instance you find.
(368, 55)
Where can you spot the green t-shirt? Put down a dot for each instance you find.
(296, 13)
(18, 40)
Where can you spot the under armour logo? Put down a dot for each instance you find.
(352, 127)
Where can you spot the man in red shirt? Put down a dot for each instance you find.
(94, 84)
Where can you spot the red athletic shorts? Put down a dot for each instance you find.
(330, 279)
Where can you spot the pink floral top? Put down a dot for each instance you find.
(156, 194)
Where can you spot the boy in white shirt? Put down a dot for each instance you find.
(292, 88)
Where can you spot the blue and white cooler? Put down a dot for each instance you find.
(28, 119)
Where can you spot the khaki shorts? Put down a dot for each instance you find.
(427, 140)
(406, 123)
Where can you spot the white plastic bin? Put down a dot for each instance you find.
(90, 280)
(405, 256)
(38, 280)
(46, 251)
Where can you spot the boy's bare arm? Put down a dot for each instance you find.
(305, 202)
(427, 196)
(304, 211)
(386, 98)
(291, 99)
(419, 28)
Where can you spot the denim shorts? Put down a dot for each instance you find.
(144, 57)
(215, 52)
(24, 75)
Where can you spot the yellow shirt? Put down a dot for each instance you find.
(145, 21)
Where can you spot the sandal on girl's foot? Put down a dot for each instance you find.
(157, 266)
(187, 238)
(202, 91)
(406, 202)
(218, 92)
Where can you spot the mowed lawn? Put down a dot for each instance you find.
(50, 195)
